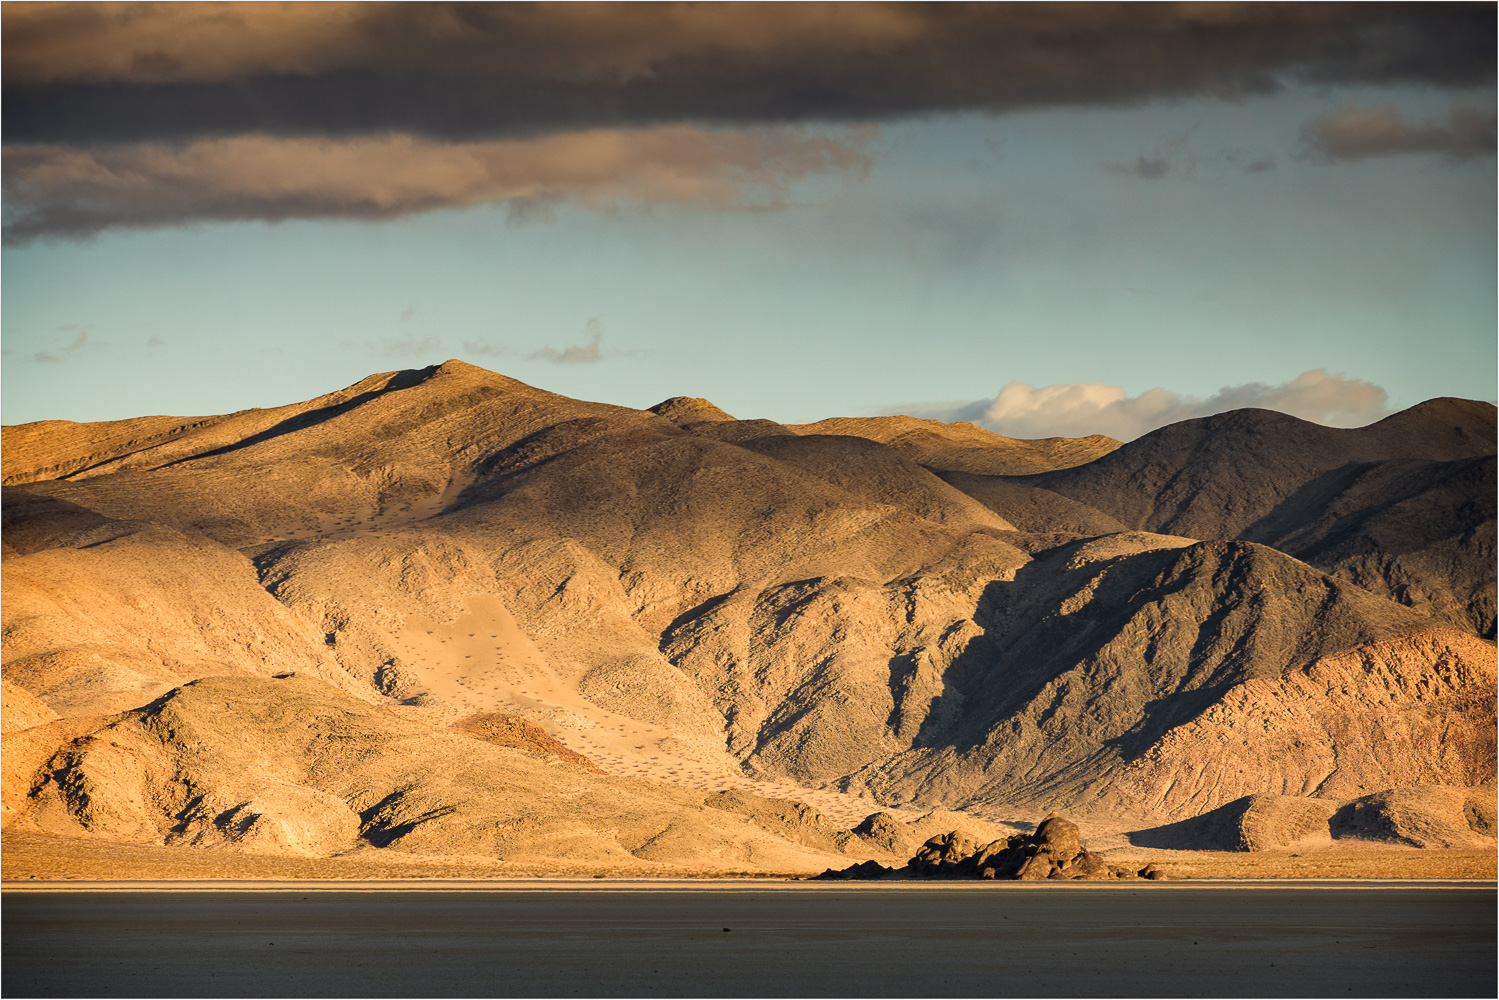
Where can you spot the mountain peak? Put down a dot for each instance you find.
(682, 410)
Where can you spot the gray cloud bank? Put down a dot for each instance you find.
(60, 190)
(1082, 408)
(134, 72)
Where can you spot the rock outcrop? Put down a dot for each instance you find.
(1054, 852)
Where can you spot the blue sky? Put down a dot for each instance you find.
(1184, 243)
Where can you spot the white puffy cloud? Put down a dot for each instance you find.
(1080, 408)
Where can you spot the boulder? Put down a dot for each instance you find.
(943, 853)
(1035, 868)
(1059, 837)
(1087, 865)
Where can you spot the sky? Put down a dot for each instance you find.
(1047, 220)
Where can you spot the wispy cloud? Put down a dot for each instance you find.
(1356, 133)
(586, 353)
(74, 349)
(1249, 162)
(61, 191)
(484, 347)
(1081, 408)
(1172, 156)
(1175, 157)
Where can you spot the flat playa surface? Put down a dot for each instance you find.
(590, 938)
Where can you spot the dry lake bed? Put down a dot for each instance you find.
(567, 938)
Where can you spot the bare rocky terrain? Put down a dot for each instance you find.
(442, 614)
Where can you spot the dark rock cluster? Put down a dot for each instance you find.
(1054, 852)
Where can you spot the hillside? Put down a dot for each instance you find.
(1404, 507)
(453, 571)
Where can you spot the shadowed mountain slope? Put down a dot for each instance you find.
(1216, 477)
(1404, 507)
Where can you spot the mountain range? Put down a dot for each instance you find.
(445, 612)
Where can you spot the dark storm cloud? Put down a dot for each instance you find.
(117, 73)
(165, 114)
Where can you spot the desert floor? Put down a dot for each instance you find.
(35, 857)
(717, 939)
